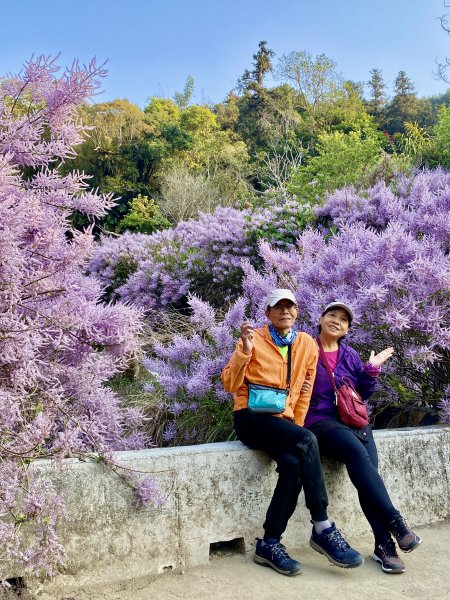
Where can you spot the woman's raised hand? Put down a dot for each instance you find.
(247, 337)
(378, 359)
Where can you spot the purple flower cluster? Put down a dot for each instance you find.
(421, 203)
(444, 406)
(116, 258)
(188, 371)
(201, 256)
(40, 506)
(60, 345)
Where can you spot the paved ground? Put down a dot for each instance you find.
(236, 577)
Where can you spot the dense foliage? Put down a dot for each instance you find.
(201, 256)
(384, 250)
(59, 343)
(311, 134)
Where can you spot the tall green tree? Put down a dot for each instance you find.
(439, 152)
(377, 98)
(314, 79)
(404, 107)
(182, 99)
(262, 62)
(403, 86)
(253, 80)
(326, 101)
(105, 156)
(344, 111)
(194, 143)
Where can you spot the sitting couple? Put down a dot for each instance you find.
(277, 356)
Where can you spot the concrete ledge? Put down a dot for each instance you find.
(217, 493)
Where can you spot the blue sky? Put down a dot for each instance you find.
(152, 46)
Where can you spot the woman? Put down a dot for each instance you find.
(355, 447)
(262, 357)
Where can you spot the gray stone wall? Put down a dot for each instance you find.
(220, 492)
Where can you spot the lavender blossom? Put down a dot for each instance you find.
(148, 492)
(60, 345)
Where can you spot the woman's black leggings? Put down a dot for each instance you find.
(361, 459)
(296, 453)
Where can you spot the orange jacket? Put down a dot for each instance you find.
(266, 366)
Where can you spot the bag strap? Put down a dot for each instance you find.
(288, 374)
(324, 359)
(289, 361)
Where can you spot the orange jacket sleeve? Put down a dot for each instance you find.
(234, 373)
(302, 404)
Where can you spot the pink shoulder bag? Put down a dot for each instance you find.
(350, 406)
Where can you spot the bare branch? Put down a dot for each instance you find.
(442, 67)
(279, 163)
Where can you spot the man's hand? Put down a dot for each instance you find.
(247, 337)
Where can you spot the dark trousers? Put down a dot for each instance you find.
(296, 453)
(361, 460)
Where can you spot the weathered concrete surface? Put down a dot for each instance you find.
(220, 492)
(234, 576)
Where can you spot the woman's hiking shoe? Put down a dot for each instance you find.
(332, 544)
(386, 554)
(407, 540)
(276, 556)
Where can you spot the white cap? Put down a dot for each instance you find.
(338, 304)
(280, 294)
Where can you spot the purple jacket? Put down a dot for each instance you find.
(349, 364)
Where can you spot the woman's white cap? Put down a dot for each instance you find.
(280, 294)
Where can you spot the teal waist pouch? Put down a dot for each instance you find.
(265, 399)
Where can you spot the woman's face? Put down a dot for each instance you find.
(282, 315)
(335, 323)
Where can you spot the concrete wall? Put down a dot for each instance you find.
(220, 492)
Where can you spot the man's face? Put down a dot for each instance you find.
(282, 315)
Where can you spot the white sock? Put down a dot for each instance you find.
(319, 526)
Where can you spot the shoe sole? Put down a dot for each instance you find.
(399, 571)
(332, 560)
(259, 560)
(412, 546)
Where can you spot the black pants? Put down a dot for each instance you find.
(296, 453)
(361, 460)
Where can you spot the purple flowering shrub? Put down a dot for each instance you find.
(114, 259)
(201, 256)
(444, 405)
(421, 203)
(59, 344)
(394, 270)
(187, 372)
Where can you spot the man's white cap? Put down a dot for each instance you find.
(280, 294)
(342, 305)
